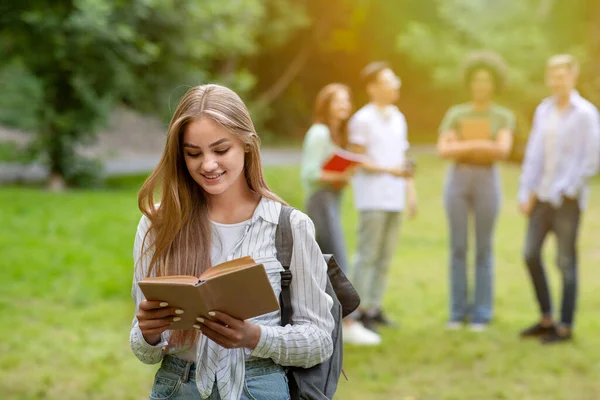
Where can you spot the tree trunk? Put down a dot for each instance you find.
(58, 138)
(290, 73)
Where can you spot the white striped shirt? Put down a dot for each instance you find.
(305, 343)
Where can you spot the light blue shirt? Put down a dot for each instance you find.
(577, 148)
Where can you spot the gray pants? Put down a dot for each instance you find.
(472, 189)
(377, 238)
(323, 207)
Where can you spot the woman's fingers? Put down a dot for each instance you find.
(156, 331)
(154, 323)
(216, 337)
(152, 304)
(224, 330)
(156, 313)
(230, 332)
(226, 319)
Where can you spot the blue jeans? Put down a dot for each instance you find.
(472, 189)
(323, 208)
(564, 222)
(176, 380)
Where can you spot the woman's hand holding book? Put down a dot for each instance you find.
(155, 317)
(229, 332)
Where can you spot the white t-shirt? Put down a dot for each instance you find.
(225, 238)
(383, 134)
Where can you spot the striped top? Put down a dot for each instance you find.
(305, 343)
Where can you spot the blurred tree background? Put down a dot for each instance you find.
(68, 63)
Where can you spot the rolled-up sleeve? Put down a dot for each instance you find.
(589, 152)
(307, 341)
(146, 353)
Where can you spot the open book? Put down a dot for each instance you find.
(475, 129)
(239, 288)
(342, 160)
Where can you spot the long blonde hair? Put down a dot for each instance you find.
(179, 236)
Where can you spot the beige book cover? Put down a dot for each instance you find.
(239, 288)
(475, 129)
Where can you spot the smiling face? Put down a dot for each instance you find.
(340, 107)
(213, 157)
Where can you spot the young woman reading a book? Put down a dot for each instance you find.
(326, 137)
(475, 135)
(214, 205)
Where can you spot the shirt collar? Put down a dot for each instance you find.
(384, 113)
(574, 99)
(268, 210)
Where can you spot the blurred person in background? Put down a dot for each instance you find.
(323, 189)
(562, 155)
(383, 188)
(473, 185)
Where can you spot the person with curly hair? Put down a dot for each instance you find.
(475, 135)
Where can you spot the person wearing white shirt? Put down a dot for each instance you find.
(561, 157)
(215, 206)
(378, 130)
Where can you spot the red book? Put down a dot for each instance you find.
(342, 160)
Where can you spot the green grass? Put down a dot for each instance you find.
(65, 308)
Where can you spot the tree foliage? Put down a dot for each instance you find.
(87, 55)
(69, 62)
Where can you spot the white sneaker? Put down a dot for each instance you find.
(478, 327)
(356, 333)
(454, 326)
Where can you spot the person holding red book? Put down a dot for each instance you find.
(323, 146)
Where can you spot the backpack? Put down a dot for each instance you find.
(320, 381)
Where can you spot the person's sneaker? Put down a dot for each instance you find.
(369, 322)
(454, 325)
(537, 330)
(356, 333)
(381, 319)
(477, 327)
(556, 337)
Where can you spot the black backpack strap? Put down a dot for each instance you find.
(284, 242)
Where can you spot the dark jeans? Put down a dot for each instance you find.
(564, 222)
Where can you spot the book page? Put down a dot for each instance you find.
(173, 279)
(227, 267)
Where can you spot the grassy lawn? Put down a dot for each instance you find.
(65, 308)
